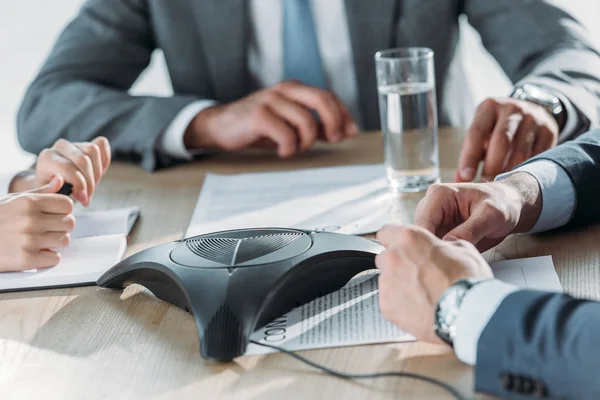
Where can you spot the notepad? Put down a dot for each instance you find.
(98, 242)
(351, 315)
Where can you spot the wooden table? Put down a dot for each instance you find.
(91, 343)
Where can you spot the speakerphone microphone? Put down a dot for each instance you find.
(235, 282)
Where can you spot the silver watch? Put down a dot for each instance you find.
(541, 97)
(448, 307)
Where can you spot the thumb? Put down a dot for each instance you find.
(475, 228)
(52, 187)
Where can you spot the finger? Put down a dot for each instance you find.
(48, 240)
(71, 175)
(429, 215)
(42, 259)
(105, 151)
(388, 259)
(53, 186)
(297, 116)
(438, 208)
(264, 143)
(472, 151)
(545, 140)
(57, 204)
(479, 225)
(522, 143)
(274, 128)
(387, 235)
(54, 223)
(501, 142)
(323, 102)
(79, 161)
(93, 152)
(350, 127)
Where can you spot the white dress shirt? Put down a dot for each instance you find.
(481, 302)
(265, 61)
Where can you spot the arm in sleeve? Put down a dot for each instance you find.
(478, 306)
(81, 91)
(580, 159)
(544, 46)
(558, 193)
(171, 141)
(540, 342)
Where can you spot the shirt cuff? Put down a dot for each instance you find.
(558, 193)
(171, 141)
(478, 306)
(571, 124)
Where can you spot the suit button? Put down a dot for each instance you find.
(525, 385)
(539, 388)
(507, 381)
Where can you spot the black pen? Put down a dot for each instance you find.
(66, 189)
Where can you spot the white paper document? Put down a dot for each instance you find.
(98, 242)
(351, 200)
(351, 315)
(111, 222)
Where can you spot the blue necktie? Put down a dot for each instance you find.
(301, 58)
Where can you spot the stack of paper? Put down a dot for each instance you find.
(351, 315)
(351, 200)
(98, 242)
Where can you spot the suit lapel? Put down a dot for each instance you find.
(223, 27)
(371, 25)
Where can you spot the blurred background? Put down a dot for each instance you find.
(28, 29)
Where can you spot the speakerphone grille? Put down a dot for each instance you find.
(259, 246)
(232, 252)
(220, 250)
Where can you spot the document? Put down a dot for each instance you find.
(351, 315)
(351, 200)
(112, 222)
(98, 242)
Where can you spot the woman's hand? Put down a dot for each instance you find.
(33, 225)
(80, 164)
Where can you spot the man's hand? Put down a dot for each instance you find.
(80, 164)
(505, 133)
(416, 268)
(280, 116)
(483, 214)
(33, 225)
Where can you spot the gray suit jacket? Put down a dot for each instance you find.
(81, 91)
(544, 344)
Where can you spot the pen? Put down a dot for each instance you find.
(66, 189)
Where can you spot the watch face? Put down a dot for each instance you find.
(539, 96)
(449, 307)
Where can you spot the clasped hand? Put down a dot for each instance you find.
(35, 221)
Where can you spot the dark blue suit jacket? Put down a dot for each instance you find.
(544, 344)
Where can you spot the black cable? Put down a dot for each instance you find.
(347, 376)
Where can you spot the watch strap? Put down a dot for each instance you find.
(444, 329)
(544, 98)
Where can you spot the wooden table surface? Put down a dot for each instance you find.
(92, 343)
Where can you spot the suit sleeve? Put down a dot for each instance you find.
(540, 343)
(545, 46)
(82, 89)
(580, 159)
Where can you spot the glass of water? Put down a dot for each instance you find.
(408, 109)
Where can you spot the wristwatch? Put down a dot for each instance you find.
(448, 307)
(541, 97)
